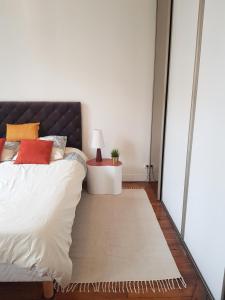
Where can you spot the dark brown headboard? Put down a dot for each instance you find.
(56, 118)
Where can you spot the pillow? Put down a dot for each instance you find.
(70, 150)
(18, 132)
(9, 151)
(2, 142)
(59, 145)
(34, 152)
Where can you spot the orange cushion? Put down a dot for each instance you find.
(2, 142)
(34, 152)
(18, 132)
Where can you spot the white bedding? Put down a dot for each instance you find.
(37, 209)
(12, 273)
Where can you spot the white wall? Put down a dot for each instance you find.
(184, 30)
(99, 52)
(205, 221)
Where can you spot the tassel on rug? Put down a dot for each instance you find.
(137, 287)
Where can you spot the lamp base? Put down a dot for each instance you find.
(98, 155)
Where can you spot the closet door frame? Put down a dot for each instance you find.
(161, 161)
(190, 132)
(192, 112)
(162, 52)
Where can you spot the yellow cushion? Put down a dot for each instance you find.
(18, 132)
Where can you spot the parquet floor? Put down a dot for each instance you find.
(195, 289)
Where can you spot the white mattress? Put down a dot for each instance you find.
(37, 209)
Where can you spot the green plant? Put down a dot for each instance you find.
(115, 153)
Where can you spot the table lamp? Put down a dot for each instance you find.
(97, 143)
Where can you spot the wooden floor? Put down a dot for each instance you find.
(195, 289)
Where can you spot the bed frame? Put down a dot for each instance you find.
(56, 118)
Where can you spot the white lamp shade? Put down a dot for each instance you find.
(97, 139)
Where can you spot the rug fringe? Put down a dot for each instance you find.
(136, 287)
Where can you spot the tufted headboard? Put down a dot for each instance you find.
(56, 118)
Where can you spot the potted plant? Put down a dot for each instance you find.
(115, 156)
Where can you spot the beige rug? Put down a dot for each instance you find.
(118, 246)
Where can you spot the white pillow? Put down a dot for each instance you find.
(59, 145)
(9, 150)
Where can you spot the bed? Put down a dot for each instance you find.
(38, 202)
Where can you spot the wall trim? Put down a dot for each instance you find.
(135, 177)
(192, 111)
(162, 35)
(161, 167)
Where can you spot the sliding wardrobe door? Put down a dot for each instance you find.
(182, 58)
(205, 218)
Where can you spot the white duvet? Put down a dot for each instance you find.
(37, 210)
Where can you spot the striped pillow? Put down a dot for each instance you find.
(9, 151)
(59, 145)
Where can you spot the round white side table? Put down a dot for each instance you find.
(104, 177)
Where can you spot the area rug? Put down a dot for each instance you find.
(118, 246)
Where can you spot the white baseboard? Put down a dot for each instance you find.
(134, 177)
